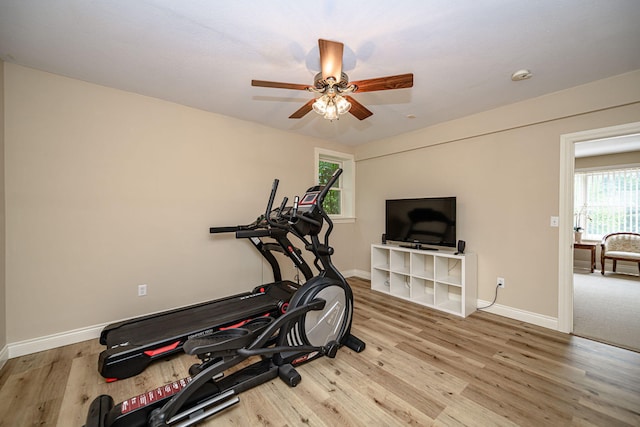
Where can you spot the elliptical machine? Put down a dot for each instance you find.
(316, 323)
(133, 344)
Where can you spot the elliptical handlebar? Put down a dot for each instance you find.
(282, 206)
(272, 196)
(267, 214)
(328, 186)
(321, 197)
(250, 229)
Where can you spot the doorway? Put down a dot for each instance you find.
(605, 306)
(567, 169)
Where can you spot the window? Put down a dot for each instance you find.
(340, 201)
(607, 201)
(333, 200)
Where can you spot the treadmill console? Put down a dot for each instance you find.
(308, 215)
(309, 198)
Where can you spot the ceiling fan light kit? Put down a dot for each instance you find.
(331, 103)
(334, 100)
(330, 107)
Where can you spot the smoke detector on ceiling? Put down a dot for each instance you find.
(521, 75)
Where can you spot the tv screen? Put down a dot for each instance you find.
(428, 221)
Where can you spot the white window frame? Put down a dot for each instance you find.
(347, 181)
(581, 217)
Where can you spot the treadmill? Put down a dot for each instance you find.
(133, 344)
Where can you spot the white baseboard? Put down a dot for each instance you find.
(35, 345)
(49, 342)
(359, 273)
(60, 339)
(4, 355)
(349, 273)
(521, 315)
(501, 310)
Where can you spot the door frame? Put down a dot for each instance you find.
(565, 240)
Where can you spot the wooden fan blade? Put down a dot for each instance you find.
(401, 81)
(302, 111)
(358, 110)
(277, 85)
(331, 59)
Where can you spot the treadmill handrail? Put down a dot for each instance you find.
(244, 234)
(231, 229)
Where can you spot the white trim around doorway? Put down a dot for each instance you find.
(565, 241)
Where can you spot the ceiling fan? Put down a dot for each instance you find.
(334, 87)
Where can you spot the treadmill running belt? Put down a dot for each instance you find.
(191, 320)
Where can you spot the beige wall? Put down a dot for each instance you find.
(3, 319)
(106, 190)
(503, 166)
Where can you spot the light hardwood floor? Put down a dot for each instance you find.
(420, 367)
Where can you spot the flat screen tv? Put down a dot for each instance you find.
(426, 221)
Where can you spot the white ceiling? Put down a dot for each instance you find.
(204, 53)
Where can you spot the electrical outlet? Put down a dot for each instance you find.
(501, 282)
(142, 290)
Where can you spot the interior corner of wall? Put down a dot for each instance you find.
(4, 356)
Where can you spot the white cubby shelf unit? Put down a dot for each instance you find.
(437, 279)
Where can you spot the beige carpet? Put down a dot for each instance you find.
(607, 308)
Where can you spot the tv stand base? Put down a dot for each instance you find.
(440, 280)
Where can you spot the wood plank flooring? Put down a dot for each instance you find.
(420, 367)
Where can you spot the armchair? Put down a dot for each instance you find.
(623, 246)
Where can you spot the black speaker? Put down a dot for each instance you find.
(384, 239)
(461, 245)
